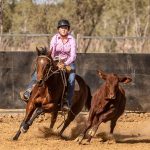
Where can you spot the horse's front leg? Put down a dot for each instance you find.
(29, 111)
(43, 109)
(36, 113)
(18, 133)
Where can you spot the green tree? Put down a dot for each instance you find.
(23, 14)
(8, 10)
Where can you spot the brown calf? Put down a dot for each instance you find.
(108, 104)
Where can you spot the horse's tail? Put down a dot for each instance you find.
(84, 87)
(89, 98)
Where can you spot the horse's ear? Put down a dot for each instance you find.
(46, 49)
(38, 51)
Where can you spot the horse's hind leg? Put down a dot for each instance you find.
(112, 125)
(69, 119)
(53, 118)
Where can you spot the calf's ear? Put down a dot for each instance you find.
(125, 79)
(102, 74)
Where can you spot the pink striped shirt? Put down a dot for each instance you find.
(65, 51)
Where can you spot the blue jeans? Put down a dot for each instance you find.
(30, 85)
(33, 80)
(71, 84)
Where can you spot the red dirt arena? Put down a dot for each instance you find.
(132, 132)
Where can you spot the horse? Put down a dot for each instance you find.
(48, 92)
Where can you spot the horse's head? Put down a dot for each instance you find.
(44, 64)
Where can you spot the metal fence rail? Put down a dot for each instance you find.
(23, 42)
(109, 44)
(85, 44)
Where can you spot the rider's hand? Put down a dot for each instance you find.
(61, 65)
(68, 69)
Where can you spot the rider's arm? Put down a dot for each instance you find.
(53, 46)
(72, 56)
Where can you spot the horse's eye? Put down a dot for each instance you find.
(47, 66)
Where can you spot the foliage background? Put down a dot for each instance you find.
(89, 17)
(105, 18)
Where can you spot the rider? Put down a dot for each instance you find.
(62, 46)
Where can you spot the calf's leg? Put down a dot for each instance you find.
(88, 126)
(102, 118)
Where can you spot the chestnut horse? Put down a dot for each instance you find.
(48, 92)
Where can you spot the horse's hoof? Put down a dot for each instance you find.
(15, 138)
(23, 130)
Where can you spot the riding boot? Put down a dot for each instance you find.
(25, 95)
(66, 107)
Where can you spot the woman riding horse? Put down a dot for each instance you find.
(47, 94)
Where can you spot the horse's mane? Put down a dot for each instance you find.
(42, 50)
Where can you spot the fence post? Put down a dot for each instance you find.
(1, 20)
(78, 38)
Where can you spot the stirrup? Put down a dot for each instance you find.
(65, 107)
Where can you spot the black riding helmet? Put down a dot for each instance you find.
(63, 22)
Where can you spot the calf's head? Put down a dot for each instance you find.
(112, 83)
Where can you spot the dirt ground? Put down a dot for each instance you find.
(131, 133)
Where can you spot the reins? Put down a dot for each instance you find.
(62, 73)
(50, 68)
(50, 73)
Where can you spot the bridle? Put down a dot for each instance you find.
(50, 71)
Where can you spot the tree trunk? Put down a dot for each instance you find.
(1, 17)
